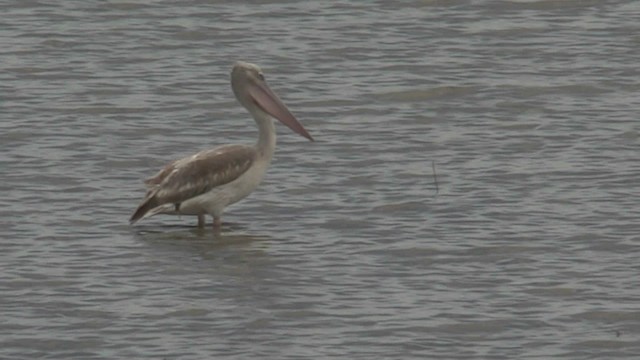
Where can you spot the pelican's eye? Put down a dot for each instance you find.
(261, 76)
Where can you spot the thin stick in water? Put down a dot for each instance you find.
(435, 176)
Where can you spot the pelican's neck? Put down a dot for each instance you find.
(266, 133)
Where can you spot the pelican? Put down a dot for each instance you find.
(209, 181)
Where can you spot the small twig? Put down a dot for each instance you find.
(435, 176)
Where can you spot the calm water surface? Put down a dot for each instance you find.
(528, 249)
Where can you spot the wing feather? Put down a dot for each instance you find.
(187, 178)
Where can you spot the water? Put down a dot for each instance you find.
(527, 249)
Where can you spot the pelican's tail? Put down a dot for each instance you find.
(141, 212)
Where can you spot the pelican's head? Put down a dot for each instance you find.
(251, 90)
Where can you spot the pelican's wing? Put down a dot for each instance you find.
(157, 178)
(195, 175)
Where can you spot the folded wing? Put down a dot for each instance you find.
(187, 178)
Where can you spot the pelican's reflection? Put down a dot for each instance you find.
(201, 240)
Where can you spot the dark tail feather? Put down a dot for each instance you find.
(146, 205)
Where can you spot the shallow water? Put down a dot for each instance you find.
(525, 248)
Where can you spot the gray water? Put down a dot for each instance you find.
(526, 246)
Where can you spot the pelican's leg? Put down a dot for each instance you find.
(217, 223)
(200, 221)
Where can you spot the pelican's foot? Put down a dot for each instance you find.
(200, 221)
(217, 223)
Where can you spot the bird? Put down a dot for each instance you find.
(207, 182)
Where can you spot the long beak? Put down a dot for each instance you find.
(272, 105)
